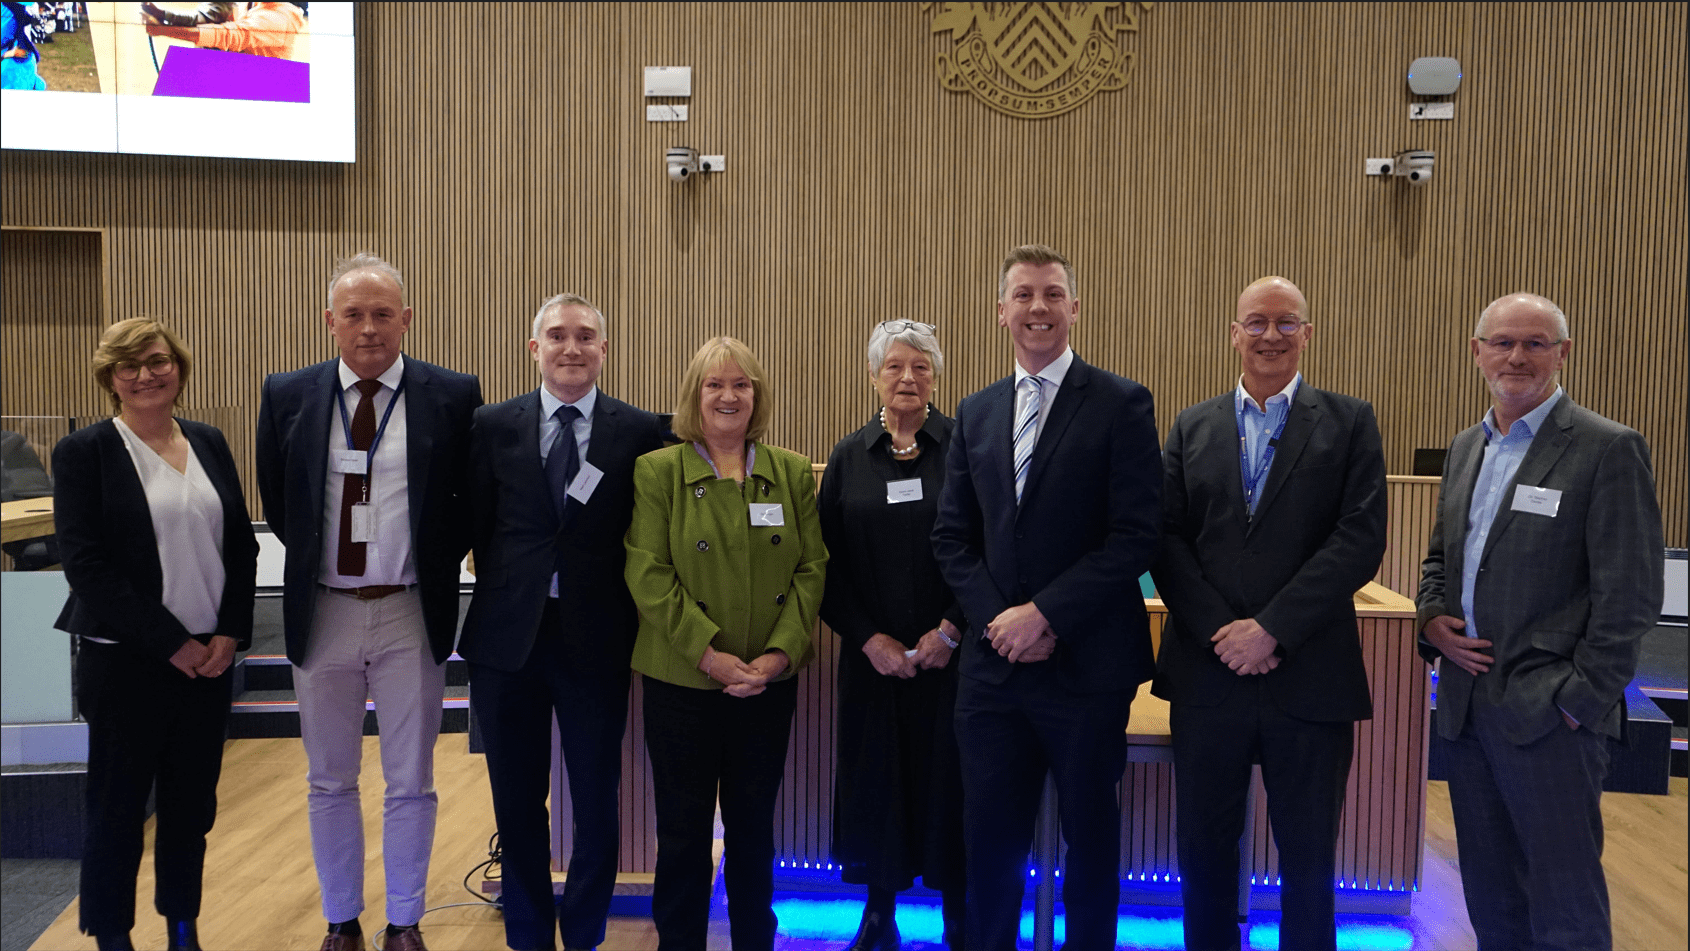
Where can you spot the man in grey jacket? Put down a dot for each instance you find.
(1543, 574)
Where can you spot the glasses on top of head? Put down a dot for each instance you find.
(1285, 325)
(1501, 345)
(159, 364)
(899, 326)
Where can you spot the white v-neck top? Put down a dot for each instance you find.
(187, 518)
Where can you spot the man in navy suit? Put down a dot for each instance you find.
(363, 467)
(1048, 517)
(552, 625)
(1274, 516)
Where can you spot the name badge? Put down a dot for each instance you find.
(1530, 498)
(363, 522)
(349, 461)
(585, 482)
(902, 490)
(767, 514)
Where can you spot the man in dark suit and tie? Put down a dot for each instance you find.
(363, 467)
(551, 627)
(1543, 574)
(1048, 517)
(1273, 516)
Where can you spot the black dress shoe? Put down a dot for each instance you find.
(183, 935)
(114, 942)
(878, 932)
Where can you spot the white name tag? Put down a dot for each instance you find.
(1530, 498)
(363, 521)
(585, 482)
(767, 514)
(902, 490)
(349, 461)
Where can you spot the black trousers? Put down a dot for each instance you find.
(148, 723)
(515, 711)
(1305, 765)
(1010, 735)
(705, 744)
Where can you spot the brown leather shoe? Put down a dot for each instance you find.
(404, 939)
(342, 942)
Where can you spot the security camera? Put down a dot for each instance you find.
(1415, 165)
(682, 163)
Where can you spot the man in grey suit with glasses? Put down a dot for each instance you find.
(1543, 574)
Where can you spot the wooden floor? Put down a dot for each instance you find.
(261, 891)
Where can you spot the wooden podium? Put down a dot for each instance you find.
(1384, 811)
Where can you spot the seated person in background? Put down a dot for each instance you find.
(264, 29)
(23, 477)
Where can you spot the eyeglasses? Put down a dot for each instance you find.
(1286, 326)
(899, 326)
(159, 364)
(1502, 345)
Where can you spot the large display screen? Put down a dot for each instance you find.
(240, 80)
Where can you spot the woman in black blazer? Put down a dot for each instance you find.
(161, 558)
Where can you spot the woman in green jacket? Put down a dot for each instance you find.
(726, 564)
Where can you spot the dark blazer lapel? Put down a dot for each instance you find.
(131, 496)
(317, 408)
(1069, 396)
(606, 430)
(419, 438)
(209, 461)
(1547, 447)
(525, 416)
(1000, 427)
(1304, 416)
(1461, 473)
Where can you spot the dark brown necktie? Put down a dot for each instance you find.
(351, 560)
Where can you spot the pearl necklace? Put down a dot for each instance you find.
(914, 447)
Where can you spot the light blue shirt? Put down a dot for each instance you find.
(1503, 453)
(548, 421)
(1258, 427)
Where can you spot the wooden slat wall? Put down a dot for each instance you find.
(1379, 845)
(500, 165)
(1413, 502)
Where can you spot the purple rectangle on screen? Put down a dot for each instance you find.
(216, 74)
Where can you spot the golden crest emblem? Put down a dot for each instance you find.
(1035, 60)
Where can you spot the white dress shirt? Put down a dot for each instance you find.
(387, 558)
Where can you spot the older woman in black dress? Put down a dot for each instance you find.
(898, 801)
(161, 559)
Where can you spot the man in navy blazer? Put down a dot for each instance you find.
(551, 626)
(1543, 574)
(1048, 517)
(1265, 541)
(375, 518)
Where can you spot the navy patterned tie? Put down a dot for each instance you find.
(563, 462)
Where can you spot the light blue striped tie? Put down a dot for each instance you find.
(1027, 430)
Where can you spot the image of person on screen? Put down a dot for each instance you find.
(264, 29)
(18, 53)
